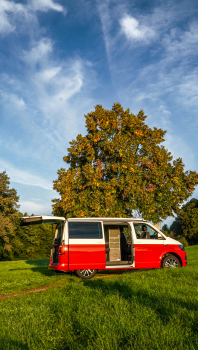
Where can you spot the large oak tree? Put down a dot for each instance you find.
(119, 166)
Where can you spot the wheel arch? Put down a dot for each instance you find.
(170, 253)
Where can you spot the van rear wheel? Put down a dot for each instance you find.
(86, 273)
(171, 261)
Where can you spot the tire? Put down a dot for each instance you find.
(85, 274)
(171, 261)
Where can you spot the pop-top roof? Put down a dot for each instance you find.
(106, 219)
(40, 219)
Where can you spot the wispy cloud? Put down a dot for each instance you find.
(36, 208)
(13, 99)
(45, 5)
(188, 89)
(24, 177)
(9, 9)
(11, 12)
(38, 53)
(45, 92)
(47, 74)
(52, 84)
(159, 78)
(133, 30)
(181, 43)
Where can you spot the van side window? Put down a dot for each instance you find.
(85, 230)
(144, 231)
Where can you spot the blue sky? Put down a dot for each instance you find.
(58, 59)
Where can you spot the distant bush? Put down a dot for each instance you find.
(182, 240)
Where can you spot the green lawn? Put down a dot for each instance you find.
(153, 309)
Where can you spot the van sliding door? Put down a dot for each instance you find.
(86, 245)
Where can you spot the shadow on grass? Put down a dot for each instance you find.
(6, 343)
(38, 262)
(41, 265)
(37, 265)
(165, 306)
(168, 309)
(119, 272)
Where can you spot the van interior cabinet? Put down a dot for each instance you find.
(114, 244)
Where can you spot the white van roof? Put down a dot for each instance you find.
(41, 219)
(106, 219)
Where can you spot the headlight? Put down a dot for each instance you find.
(181, 247)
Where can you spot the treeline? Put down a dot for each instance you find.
(29, 242)
(34, 242)
(185, 226)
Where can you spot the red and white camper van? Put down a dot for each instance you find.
(86, 245)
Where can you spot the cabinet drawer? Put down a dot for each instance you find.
(115, 240)
(114, 255)
(114, 245)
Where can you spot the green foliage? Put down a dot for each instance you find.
(165, 228)
(8, 215)
(188, 219)
(185, 226)
(19, 242)
(120, 166)
(176, 227)
(182, 240)
(170, 233)
(32, 242)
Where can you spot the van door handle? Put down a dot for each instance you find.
(99, 242)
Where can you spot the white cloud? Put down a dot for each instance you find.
(134, 31)
(39, 52)
(47, 74)
(67, 83)
(49, 117)
(12, 13)
(31, 207)
(24, 177)
(7, 9)
(45, 5)
(188, 89)
(182, 43)
(16, 101)
(54, 83)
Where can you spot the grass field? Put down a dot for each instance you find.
(153, 309)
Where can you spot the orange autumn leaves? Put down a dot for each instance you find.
(120, 166)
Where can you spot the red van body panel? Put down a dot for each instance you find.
(82, 256)
(93, 256)
(63, 259)
(175, 249)
(148, 255)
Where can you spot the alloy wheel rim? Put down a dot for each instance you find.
(86, 273)
(172, 263)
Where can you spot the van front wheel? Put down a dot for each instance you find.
(171, 261)
(86, 274)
